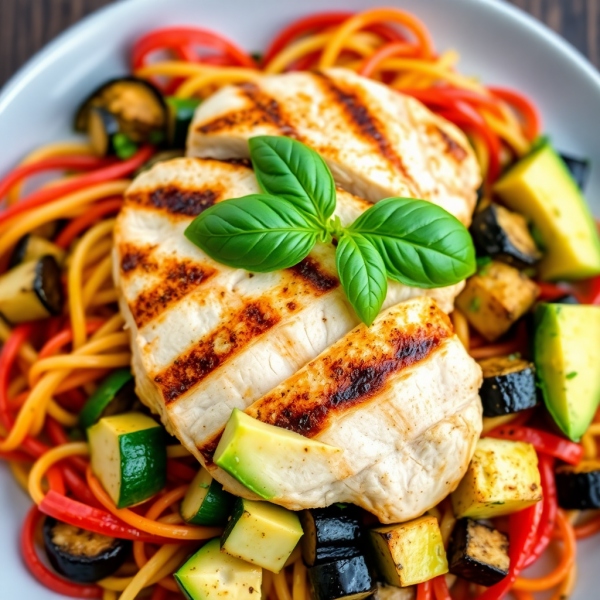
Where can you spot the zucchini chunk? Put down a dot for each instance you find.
(213, 575)
(330, 533)
(128, 107)
(206, 502)
(129, 457)
(478, 553)
(346, 579)
(115, 395)
(504, 235)
(579, 168)
(502, 478)
(32, 291)
(409, 553)
(181, 114)
(495, 298)
(508, 385)
(579, 487)
(261, 533)
(567, 355)
(248, 445)
(32, 247)
(81, 555)
(541, 188)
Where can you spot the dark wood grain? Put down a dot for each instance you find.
(27, 25)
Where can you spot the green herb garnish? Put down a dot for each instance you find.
(475, 304)
(411, 241)
(571, 375)
(124, 147)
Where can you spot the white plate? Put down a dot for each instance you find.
(499, 44)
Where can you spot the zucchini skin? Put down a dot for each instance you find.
(579, 169)
(578, 490)
(84, 569)
(342, 578)
(215, 508)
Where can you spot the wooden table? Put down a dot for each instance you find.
(26, 25)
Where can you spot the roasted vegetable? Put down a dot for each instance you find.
(129, 457)
(261, 533)
(504, 235)
(32, 247)
(214, 575)
(81, 555)
(502, 478)
(122, 114)
(478, 553)
(495, 298)
(409, 553)
(579, 169)
(206, 502)
(330, 533)
(346, 579)
(508, 385)
(181, 114)
(116, 394)
(579, 487)
(32, 291)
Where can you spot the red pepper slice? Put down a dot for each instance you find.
(424, 591)
(542, 441)
(46, 577)
(532, 125)
(440, 589)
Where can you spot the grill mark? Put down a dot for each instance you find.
(321, 282)
(178, 279)
(189, 369)
(453, 148)
(177, 201)
(136, 257)
(365, 123)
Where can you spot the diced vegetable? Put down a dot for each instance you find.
(116, 394)
(478, 553)
(129, 457)
(104, 131)
(508, 385)
(502, 478)
(81, 555)
(409, 553)
(181, 114)
(541, 188)
(260, 456)
(206, 502)
(579, 487)
(504, 235)
(579, 168)
(567, 356)
(261, 533)
(495, 298)
(348, 579)
(32, 291)
(213, 575)
(32, 247)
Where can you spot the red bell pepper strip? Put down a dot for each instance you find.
(522, 532)
(424, 591)
(113, 171)
(544, 534)
(46, 577)
(531, 116)
(542, 441)
(440, 589)
(93, 519)
(178, 37)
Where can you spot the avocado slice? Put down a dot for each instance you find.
(541, 188)
(566, 359)
(262, 456)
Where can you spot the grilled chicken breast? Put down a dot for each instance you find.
(207, 338)
(377, 142)
(400, 398)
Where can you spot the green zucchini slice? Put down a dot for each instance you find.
(181, 114)
(206, 502)
(129, 457)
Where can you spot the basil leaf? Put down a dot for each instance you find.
(288, 169)
(420, 243)
(257, 233)
(362, 275)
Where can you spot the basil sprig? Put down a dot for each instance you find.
(411, 241)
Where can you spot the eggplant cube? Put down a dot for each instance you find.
(478, 553)
(579, 487)
(495, 298)
(502, 478)
(346, 579)
(409, 553)
(503, 234)
(508, 385)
